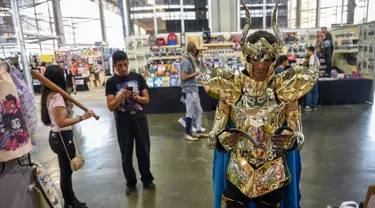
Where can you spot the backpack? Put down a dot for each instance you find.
(172, 39)
(14, 136)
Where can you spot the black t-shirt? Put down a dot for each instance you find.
(115, 84)
(69, 78)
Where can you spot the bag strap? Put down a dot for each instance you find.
(75, 143)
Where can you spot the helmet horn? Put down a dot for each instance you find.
(247, 26)
(275, 27)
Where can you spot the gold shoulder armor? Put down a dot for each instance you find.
(295, 82)
(220, 83)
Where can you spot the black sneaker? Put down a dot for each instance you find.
(150, 186)
(77, 202)
(129, 190)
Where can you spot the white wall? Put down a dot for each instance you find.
(224, 15)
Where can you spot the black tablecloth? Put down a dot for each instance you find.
(83, 87)
(167, 100)
(352, 91)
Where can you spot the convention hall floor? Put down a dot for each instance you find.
(338, 159)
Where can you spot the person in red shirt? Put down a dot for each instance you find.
(74, 67)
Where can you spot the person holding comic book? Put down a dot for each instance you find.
(56, 112)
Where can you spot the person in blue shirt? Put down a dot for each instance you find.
(281, 64)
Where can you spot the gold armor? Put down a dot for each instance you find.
(258, 109)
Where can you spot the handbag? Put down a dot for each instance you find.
(77, 162)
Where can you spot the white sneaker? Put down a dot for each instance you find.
(183, 123)
(190, 138)
(307, 108)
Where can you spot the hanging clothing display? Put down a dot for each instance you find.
(27, 101)
(14, 137)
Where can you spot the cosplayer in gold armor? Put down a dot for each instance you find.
(258, 102)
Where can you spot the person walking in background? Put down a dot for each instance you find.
(98, 69)
(312, 97)
(74, 68)
(281, 64)
(127, 94)
(56, 113)
(328, 48)
(190, 93)
(69, 78)
(182, 120)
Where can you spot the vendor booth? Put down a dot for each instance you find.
(158, 59)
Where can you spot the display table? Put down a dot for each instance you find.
(168, 100)
(353, 91)
(82, 83)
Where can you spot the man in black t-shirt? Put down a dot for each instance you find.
(126, 94)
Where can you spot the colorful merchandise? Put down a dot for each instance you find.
(160, 42)
(172, 39)
(150, 82)
(158, 82)
(267, 129)
(166, 82)
(174, 81)
(27, 101)
(14, 137)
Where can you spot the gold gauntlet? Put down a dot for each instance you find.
(295, 141)
(220, 123)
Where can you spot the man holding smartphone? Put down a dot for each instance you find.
(126, 94)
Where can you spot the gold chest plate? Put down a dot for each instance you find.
(259, 168)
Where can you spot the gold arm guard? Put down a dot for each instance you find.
(294, 122)
(220, 123)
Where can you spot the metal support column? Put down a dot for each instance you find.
(102, 21)
(59, 28)
(368, 5)
(238, 15)
(264, 14)
(21, 43)
(317, 20)
(351, 12)
(209, 14)
(155, 18)
(50, 24)
(298, 14)
(183, 17)
(342, 12)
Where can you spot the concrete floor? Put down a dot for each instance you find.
(338, 159)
